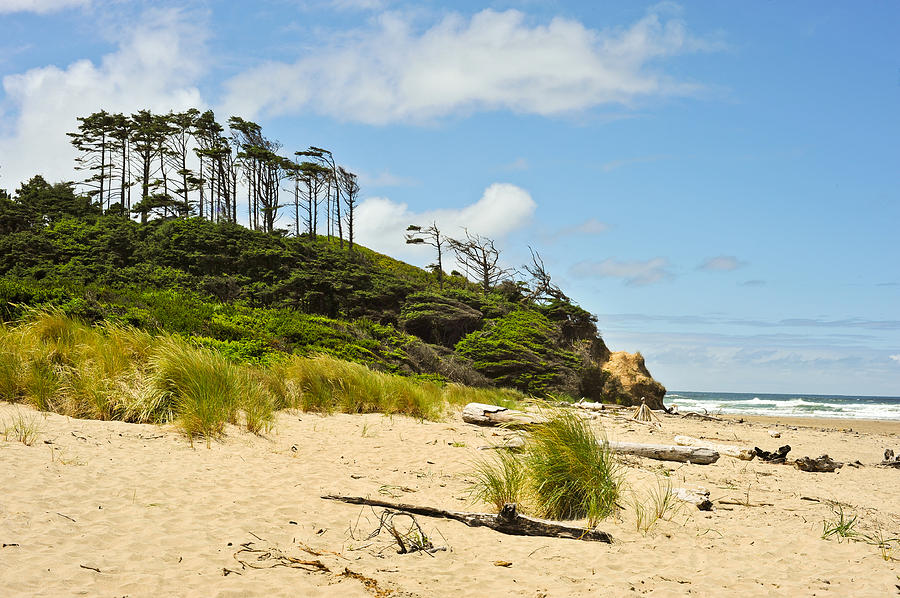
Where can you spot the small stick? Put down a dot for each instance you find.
(66, 516)
(89, 567)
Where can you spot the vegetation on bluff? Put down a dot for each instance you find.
(173, 260)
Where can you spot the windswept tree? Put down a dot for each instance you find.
(325, 158)
(481, 258)
(542, 289)
(182, 128)
(315, 178)
(416, 235)
(148, 139)
(350, 185)
(94, 141)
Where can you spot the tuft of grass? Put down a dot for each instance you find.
(500, 481)
(659, 502)
(23, 429)
(199, 385)
(842, 526)
(573, 473)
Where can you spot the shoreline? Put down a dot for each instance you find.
(869, 426)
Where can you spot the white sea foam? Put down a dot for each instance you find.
(789, 405)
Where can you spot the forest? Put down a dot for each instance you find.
(152, 237)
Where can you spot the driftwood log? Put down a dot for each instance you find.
(493, 415)
(779, 456)
(820, 464)
(507, 521)
(667, 452)
(700, 498)
(738, 452)
(481, 414)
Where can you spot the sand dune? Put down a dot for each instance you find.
(111, 509)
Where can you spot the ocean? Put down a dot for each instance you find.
(789, 404)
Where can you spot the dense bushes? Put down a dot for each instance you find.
(522, 350)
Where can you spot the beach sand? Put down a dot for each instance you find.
(98, 508)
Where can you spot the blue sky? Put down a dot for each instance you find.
(717, 181)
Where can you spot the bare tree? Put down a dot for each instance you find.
(542, 289)
(479, 256)
(416, 235)
(350, 186)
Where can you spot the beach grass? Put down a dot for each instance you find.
(115, 372)
(22, 429)
(574, 474)
(501, 480)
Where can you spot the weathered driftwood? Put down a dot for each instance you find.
(890, 460)
(700, 498)
(779, 456)
(512, 443)
(703, 416)
(481, 414)
(507, 521)
(667, 452)
(820, 464)
(738, 452)
(589, 406)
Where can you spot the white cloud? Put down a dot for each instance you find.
(39, 6)
(155, 66)
(634, 273)
(721, 263)
(491, 61)
(381, 223)
(895, 357)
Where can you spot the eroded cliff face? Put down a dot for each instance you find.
(628, 381)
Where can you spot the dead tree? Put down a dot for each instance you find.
(542, 289)
(416, 235)
(479, 256)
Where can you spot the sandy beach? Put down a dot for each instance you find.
(95, 508)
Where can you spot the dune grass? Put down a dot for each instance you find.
(503, 480)
(116, 372)
(573, 472)
(565, 472)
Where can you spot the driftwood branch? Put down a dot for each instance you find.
(667, 452)
(737, 452)
(699, 498)
(507, 521)
(481, 414)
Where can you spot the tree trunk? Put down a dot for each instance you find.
(738, 452)
(507, 521)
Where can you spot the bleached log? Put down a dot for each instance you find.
(699, 498)
(589, 406)
(667, 452)
(481, 414)
(507, 521)
(738, 452)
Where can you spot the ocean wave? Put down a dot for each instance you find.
(887, 408)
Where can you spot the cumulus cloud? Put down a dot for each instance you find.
(721, 263)
(634, 273)
(492, 61)
(39, 6)
(502, 209)
(155, 66)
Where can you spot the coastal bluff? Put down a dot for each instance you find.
(630, 379)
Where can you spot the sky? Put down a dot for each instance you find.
(717, 182)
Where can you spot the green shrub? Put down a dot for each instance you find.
(503, 480)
